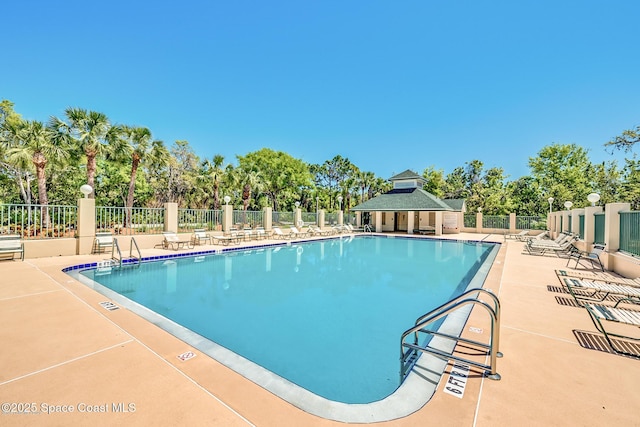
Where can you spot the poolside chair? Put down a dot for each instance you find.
(102, 241)
(297, 233)
(260, 233)
(318, 231)
(593, 256)
(599, 291)
(540, 248)
(200, 236)
(599, 313)
(278, 234)
(604, 276)
(521, 236)
(175, 242)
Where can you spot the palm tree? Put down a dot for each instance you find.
(140, 147)
(92, 132)
(366, 179)
(35, 143)
(217, 174)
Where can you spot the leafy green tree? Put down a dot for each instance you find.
(18, 169)
(527, 197)
(92, 133)
(626, 141)
(436, 183)
(562, 171)
(456, 187)
(183, 167)
(606, 181)
(281, 174)
(630, 187)
(34, 142)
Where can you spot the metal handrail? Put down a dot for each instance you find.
(442, 311)
(131, 245)
(116, 246)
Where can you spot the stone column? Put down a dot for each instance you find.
(575, 220)
(589, 223)
(478, 222)
(512, 222)
(171, 217)
(378, 221)
(410, 222)
(267, 218)
(86, 226)
(297, 217)
(340, 217)
(321, 218)
(227, 218)
(439, 215)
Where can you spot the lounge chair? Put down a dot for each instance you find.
(278, 234)
(297, 233)
(593, 256)
(599, 312)
(260, 233)
(521, 236)
(227, 239)
(200, 236)
(599, 291)
(605, 276)
(541, 247)
(11, 244)
(175, 242)
(319, 232)
(102, 241)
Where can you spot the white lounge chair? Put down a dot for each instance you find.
(175, 242)
(278, 234)
(102, 241)
(200, 236)
(600, 313)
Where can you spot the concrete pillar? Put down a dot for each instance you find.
(612, 224)
(321, 218)
(171, 217)
(297, 217)
(267, 218)
(378, 221)
(86, 226)
(340, 217)
(478, 222)
(358, 219)
(439, 216)
(589, 223)
(410, 222)
(575, 220)
(512, 222)
(565, 220)
(227, 218)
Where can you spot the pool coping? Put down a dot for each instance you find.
(415, 391)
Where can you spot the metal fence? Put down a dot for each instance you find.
(490, 221)
(38, 221)
(191, 219)
(331, 218)
(598, 228)
(630, 232)
(581, 226)
(470, 220)
(142, 220)
(282, 218)
(531, 222)
(310, 218)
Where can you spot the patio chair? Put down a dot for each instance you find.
(319, 232)
(102, 241)
(593, 256)
(175, 242)
(541, 247)
(521, 236)
(297, 233)
(200, 236)
(600, 313)
(599, 291)
(278, 234)
(604, 276)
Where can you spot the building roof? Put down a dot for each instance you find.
(406, 199)
(455, 204)
(408, 174)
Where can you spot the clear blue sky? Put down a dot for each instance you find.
(391, 85)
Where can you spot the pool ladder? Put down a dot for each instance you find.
(409, 351)
(118, 257)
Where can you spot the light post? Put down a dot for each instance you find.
(340, 202)
(86, 190)
(317, 204)
(593, 198)
(550, 200)
(227, 199)
(568, 204)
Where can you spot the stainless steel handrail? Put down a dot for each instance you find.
(115, 246)
(131, 245)
(442, 311)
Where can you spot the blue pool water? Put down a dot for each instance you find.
(325, 315)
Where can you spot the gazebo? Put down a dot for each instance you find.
(407, 207)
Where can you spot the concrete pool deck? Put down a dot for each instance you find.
(63, 351)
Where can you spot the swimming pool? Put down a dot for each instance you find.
(325, 315)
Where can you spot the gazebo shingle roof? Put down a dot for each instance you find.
(409, 199)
